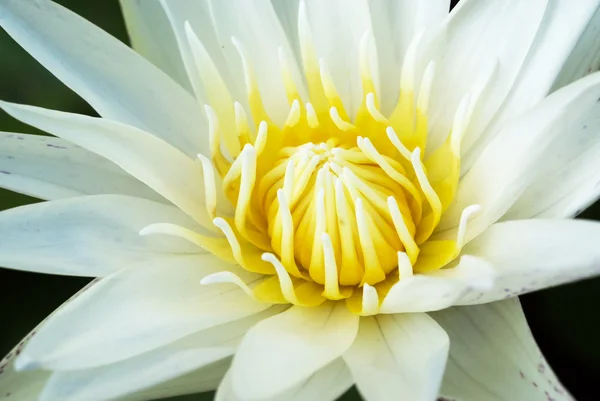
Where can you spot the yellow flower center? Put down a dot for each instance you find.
(325, 206)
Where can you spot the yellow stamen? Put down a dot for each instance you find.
(329, 207)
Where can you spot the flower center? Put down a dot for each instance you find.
(328, 216)
(329, 204)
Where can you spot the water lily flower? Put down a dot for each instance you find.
(284, 199)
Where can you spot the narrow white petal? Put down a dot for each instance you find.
(136, 310)
(528, 255)
(566, 48)
(395, 23)
(27, 386)
(494, 357)
(163, 168)
(337, 41)
(327, 384)
(151, 36)
(52, 168)
(86, 236)
(111, 77)
(481, 34)
(285, 350)
(398, 357)
(568, 174)
(517, 154)
(198, 350)
(255, 24)
(206, 378)
(199, 16)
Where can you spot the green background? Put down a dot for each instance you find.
(564, 320)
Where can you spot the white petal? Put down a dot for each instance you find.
(26, 386)
(494, 357)
(523, 148)
(255, 24)
(327, 384)
(136, 310)
(21, 386)
(198, 15)
(565, 49)
(281, 352)
(52, 168)
(206, 378)
(154, 162)
(480, 34)
(151, 36)
(438, 290)
(395, 23)
(112, 78)
(86, 236)
(568, 175)
(337, 29)
(528, 255)
(398, 357)
(180, 358)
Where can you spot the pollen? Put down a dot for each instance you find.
(327, 206)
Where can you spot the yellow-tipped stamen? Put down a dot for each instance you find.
(370, 301)
(330, 91)
(241, 124)
(214, 132)
(294, 115)
(465, 216)
(434, 201)
(245, 254)
(332, 287)
(215, 245)
(407, 239)
(373, 111)
(226, 277)
(393, 137)
(288, 80)
(210, 187)
(405, 269)
(311, 116)
(366, 70)
(339, 123)
(216, 91)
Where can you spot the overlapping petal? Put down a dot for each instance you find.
(525, 148)
(52, 168)
(151, 160)
(398, 356)
(566, 48)
(206, 349)
(528, 255)
(326, 384)
(87, 236)
(136, 310)
(494, 357)
(285, 350)
(111, 77)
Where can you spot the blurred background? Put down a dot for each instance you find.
(564, 320)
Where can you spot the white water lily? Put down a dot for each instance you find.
(309, 195)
